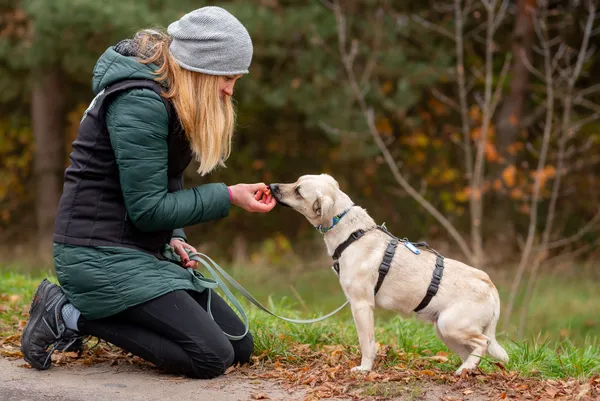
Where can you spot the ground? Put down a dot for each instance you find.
(105, 373)
(306, 363)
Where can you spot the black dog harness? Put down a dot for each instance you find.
(384, 267)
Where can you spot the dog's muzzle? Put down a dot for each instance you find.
(276, 193)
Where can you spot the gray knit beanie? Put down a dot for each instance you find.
(212, 41)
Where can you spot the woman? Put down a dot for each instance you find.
(161, 101)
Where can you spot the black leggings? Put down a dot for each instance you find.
(175, 333)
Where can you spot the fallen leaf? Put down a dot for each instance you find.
(584, 390)
(14, 298)
(427, 372)
(500, 366)
(439, 358)
(467, 392)
(551, 391)
(260, 396)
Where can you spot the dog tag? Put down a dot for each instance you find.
(412, 248)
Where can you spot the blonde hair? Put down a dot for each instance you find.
(207, 120)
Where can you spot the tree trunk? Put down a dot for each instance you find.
(47, 111)
(510, 117)
(511, 113)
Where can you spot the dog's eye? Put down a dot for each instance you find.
(297, 192)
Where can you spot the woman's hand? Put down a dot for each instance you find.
(180, 247)
(252, 197)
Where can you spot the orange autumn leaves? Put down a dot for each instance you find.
(429, 151)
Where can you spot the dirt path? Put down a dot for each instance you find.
(132, 382)
(103, 382)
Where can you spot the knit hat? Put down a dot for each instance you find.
(212, 41)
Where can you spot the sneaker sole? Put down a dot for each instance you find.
(33, 321)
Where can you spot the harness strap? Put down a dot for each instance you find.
(353, 237)
(341, 247)
(438, 272)
(384, 267)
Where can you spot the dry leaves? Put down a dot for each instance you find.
(325, 373)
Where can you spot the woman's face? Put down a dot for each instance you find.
(226, 84)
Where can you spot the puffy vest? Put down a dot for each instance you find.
(91, 211)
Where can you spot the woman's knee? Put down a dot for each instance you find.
(244, 349)
(212, 361)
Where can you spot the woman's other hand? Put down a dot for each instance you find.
(252, 197)
(180, 246)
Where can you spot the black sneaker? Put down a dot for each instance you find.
(77, 346)
(46, 332)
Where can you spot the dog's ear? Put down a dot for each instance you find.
(335, 184)
(322, 206)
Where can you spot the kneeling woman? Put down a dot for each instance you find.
(162, 100)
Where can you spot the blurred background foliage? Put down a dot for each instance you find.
(297, 115)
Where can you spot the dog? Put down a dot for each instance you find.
(464, 310)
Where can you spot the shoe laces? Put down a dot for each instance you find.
(63, 342)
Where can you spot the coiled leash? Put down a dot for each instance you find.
(217, 281)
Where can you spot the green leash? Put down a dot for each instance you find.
(215, 270)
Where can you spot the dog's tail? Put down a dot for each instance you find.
(495, 350)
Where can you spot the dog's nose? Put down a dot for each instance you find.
(274, 187)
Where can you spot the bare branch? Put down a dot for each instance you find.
(588, 104)
(372, 61)
(528, 249)
(499, 87)
(478, 74)
(467, 9)
(489, 5)
(501, 14)
(433, 27)
(566, 133)
(580, 164)
(480, 101)
(475, 197)
(575, 127)
(475, 31)
(445, 99)
(442, 8)
(369, 117)
(584, 44)
(462, 90)
(339, 132)
(577, 236)
(572, 254)
(532, 118)
(530, 67)
(559, 54)
(327, 4)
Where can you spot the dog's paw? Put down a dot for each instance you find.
(360, 369)
(464, 369)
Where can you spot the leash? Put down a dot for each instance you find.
(216, 272)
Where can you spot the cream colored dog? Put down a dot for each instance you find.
(465, 309)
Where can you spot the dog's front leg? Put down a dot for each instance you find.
(364, 321)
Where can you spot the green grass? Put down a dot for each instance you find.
(546, 354)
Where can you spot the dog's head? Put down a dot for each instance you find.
(314, 196)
